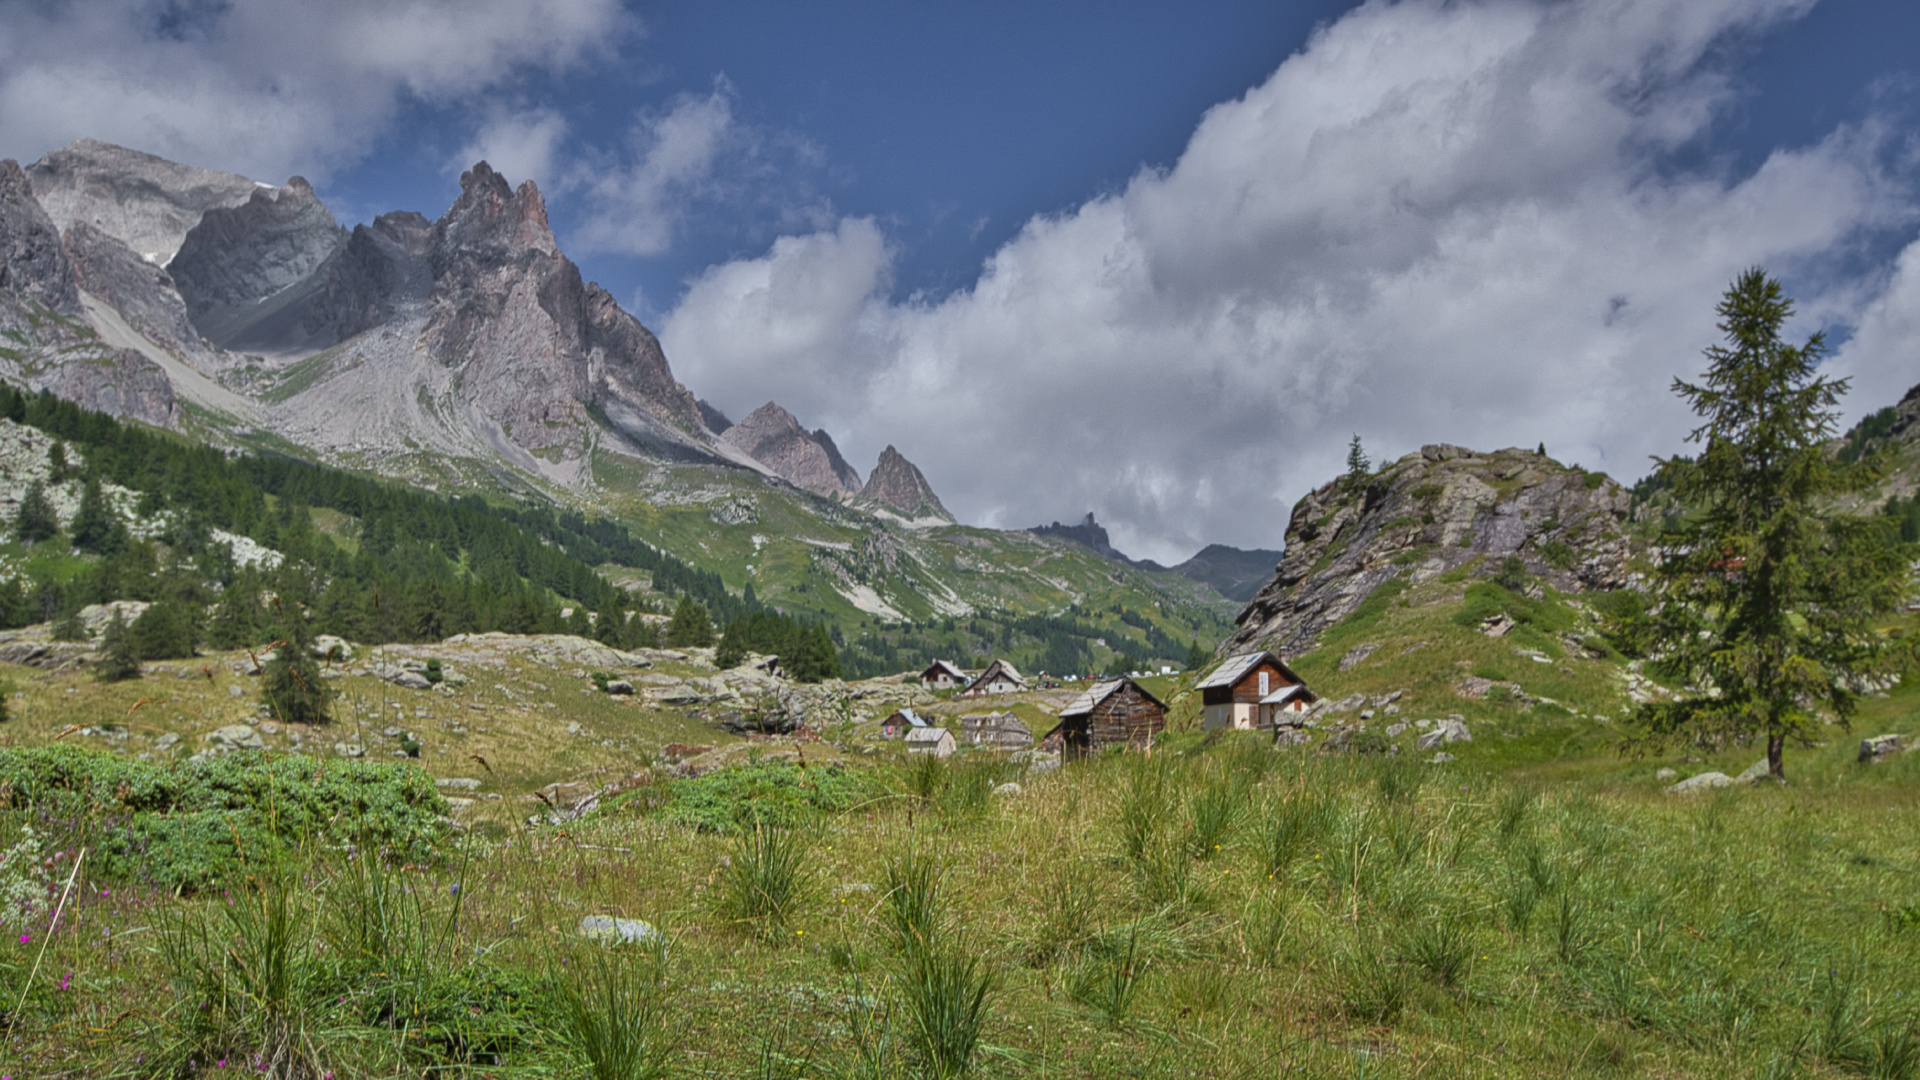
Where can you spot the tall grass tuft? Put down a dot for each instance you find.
(1373, 987)
(1398, 778)
(1294, 824)
(1069, 911)
(1108, 983)
(1214, 814)
(1145, 803)
(766, 882)
(912, 906)
(613, 1014)
(1441, 946)
(946, 993)
(1511, 815)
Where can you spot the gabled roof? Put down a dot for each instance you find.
(1092, 696)
(998, 666)
(1288, 693)
(939, 667)
(927, 734)
(1236, 667)
(911, 717)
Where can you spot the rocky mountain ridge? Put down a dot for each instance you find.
(808, 460)
(1428, 513)
(898, 488)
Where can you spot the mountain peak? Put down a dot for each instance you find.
(898, 484)
(147, 203)
(491, 214)
(808, 460)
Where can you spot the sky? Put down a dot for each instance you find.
(1156, 261)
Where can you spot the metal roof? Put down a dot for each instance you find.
(1229, 673)
(1285, 694)
(926, 734)
(943, 665)
(910, 717)
(1091, 696)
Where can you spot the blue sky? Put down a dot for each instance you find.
(1158, 261)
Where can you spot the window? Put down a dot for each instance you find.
(1264, 676)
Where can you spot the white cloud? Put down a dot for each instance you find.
(1437, 222)
(519, 145)
(268, 87)
(638, 203)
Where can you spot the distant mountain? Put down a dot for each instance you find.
(898, 485)
(147, 203)
(1234, 573)
(1091, 534)
(807, 460)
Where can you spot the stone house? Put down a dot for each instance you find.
(999, 678)
(1002, 730)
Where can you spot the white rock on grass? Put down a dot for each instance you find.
(609, 930)
(1706, 781)
(237, 737)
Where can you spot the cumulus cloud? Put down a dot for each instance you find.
(520, 145)
(1438, 221)
(268, 87)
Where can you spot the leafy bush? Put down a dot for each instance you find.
(189, 825)
(1485, 599)
(776, 793)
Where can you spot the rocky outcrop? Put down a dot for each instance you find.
(1428, 513)
(715, 420)
(536, 347)
(898, 485)
(145, 202)
(808, 460)
(33, 261)
(123, 383)
(1088, 534)
(143, 294)
(248, 273)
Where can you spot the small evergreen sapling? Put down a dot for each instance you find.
(35, 521)
(119, 659)
(291, 684)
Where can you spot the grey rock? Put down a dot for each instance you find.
(349, 750)
(1291, 736)
(898, 484)
(1881, 746)
(234, 690)
(1043, 765)
(1704, 782)
(1441, 511)
(1393, 730)
(1357, 655)
(773, 437)
(1008, 788)
(166, 742)
(1450, 730)
(237, 737)
(145, 202)
(245, 270)
(1755, 771)
(609, 930)
(457, 783)
(1665, 774)
(411, 680)
(1441, 758)
(620, 687)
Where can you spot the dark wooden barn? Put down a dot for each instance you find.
(1119, 712)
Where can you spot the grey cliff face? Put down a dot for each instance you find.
(810, 461)
(535, 346)
(248, 272)
(898, 483)
(141, 292)
(1429, 513)
(145, 202)
(33, 262)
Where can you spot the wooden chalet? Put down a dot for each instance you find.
(901, 722)
(941, 675)
(999, 678)
(930, 740)
(1002, 730)
(1119, 712)
(1253, 692)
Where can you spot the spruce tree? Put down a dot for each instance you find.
(291, 684)
(93, 523)
(165, 631)
(690, 625)
(35, 521)
(118, 659)
(1769, 595)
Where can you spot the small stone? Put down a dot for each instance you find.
(1441, 758)
(609, 930)
(233, 690)
(1008, 788)
(391, 732)
(271, 727)
(1393, 730)
(457, 783)
(1880, 746)
(411, 680)
(1366, 714)
(619, 686)
(1664, 774)
(350, 750)
(1756, 771)
(237, 737)
(166, 742)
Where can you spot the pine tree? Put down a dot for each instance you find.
(291, 684)
(690, 625)
(1357, 464)
(35, 520)
(1768, 594)
(165, 631)
(118, 659)
(93, 524)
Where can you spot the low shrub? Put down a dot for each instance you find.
(184, 826)
(775, 793)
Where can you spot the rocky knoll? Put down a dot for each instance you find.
(898, 485)
(1426, 514)
(146, 202)
(808, 460)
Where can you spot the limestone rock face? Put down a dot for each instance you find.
(143, 294)
(145, 202)
(807, 460)
(536, 346)
(33, 261)
(898, 484)
(1429, 513)
(247, 272)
